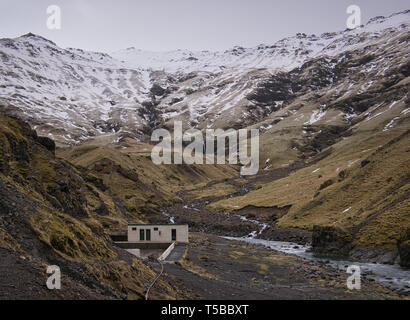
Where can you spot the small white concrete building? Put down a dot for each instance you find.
(157, 233)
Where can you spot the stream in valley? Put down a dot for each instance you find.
(392, 276)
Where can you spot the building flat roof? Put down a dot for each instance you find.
(152, 225)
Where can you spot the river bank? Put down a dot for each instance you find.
(219, 268)
(294, 242)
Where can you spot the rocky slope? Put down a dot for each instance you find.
(55, 213)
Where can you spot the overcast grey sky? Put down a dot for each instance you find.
(110, 25)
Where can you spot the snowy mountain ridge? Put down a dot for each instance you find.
(73, 95)
(285, 54)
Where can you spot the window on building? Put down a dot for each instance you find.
(142, 235)
(148, 234)
(134, 229)
(155, 229)
(174, 234)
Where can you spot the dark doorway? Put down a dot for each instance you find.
(148, 234)
(142, 235)
(174, 234)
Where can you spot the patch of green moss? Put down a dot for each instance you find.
(44, 169)
(21, 167)
(69, 237)
(217, 190)
(263, 268)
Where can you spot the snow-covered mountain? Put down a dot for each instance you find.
(73, 95)
(285, 54)
(69, 93)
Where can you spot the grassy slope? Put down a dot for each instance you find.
(216, 190)
(142, 192)
(376, 193)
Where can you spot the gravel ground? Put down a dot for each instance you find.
(215, 268)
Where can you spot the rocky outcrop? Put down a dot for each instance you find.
(48, 143)
(404, 250)
(107, 166)
(157, 90)
(271, 214)
(331, 240)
